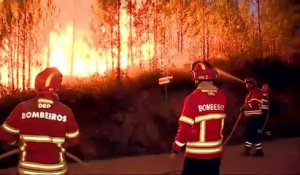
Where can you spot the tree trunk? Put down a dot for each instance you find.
(130, 56)
(203, 32)
(207, 40)
(11, 74)
(259, 29)
(119, 42)
(73, 40)
(18, 51)
(112, 48)
(24, 48)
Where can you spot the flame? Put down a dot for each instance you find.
(86, 59)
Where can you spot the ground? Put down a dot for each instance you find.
(282, 156)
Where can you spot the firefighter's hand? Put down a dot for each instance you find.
(242, 108)
(175, 149)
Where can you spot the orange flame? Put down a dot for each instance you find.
(86, 59)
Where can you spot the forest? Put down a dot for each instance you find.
(130, 36)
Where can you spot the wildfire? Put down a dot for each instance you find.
(75, 56)
(86, 61)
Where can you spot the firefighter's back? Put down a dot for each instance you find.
(206, 135)
(43, 130)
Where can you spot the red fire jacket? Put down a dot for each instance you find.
(253, 103)
(201, 124)
(43, 127)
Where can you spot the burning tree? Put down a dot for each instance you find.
(132, 35)
(20, 31)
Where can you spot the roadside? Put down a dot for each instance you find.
(282, 156)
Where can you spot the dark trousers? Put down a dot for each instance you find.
(253, 135)
(201, 166)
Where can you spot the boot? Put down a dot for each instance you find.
(259, 153)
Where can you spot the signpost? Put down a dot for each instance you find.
(165, 81)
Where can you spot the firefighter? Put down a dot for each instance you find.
(42, 127)
(265, 130)
(200, 131)
(253, 113)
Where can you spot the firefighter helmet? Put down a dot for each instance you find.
(48, 81)
(266, 87)
(251, 81)
(202, 70)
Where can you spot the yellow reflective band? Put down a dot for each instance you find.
(73, 134)
(202, 131)
(43, 100)
(259, 144)
(179, 143)
(38, 138)
(187, 120)
(210, 117)
(48, 80)
(211, 91)
(10, 129)
(221, 130)
(258, 112)
(204, 144)
(203, 150)
(40, 166)
(33, 172)
(254, 99)
(23, 155)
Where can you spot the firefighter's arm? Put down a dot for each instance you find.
(182, 133)
(72, 133)
(255, 101)
(10, 129)
(253, 108)
(186, 122)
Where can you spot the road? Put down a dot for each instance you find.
(282, 156)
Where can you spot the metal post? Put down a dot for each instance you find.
(166, 95)
(167, 109)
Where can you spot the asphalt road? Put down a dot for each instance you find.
(282, 157)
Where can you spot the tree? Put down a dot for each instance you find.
(107, 17)
(20, 31)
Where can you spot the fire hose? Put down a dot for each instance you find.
(15, 151)
(233, 129)
(266, 120)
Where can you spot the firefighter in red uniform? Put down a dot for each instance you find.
(201, 123)
(42, 127)
(265, 131)
(253, 113)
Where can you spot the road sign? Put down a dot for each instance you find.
(165, 80)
